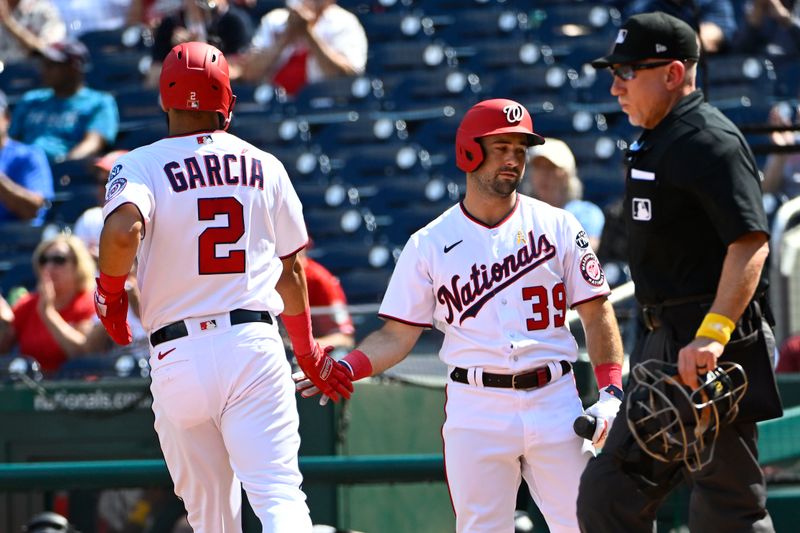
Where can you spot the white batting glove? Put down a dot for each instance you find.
(605, 411)
(306, 388)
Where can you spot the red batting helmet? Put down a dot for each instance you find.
(490, 117)
(195, 77)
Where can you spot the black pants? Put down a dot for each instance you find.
(728, 495)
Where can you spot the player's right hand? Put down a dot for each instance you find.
(329, 377)
(112, 309)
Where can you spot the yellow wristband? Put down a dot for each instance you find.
(716, 327)
(138, 516)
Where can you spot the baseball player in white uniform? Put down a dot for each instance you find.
(216, 223)
(496, 274)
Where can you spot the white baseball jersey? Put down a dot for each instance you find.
(500, 294)
(218, 214)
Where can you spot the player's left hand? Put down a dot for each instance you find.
(698, 358)
(306, 387)
(112, 309)
(604, 411)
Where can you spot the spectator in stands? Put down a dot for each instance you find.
(83, 16)
(770, 26)
(305, 42)
(789, 358)
(28, 26)
(332, 326)
(26, 182)
(89, 225)
(714, 20)
(68, 120)
(217, 22)
(553, 178)
(782, 170)
(51, 324)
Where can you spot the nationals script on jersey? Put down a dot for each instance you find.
(500, 294)
(213, 207)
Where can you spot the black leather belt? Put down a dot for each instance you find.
(651, 316)
(527, 380)
(176, 330)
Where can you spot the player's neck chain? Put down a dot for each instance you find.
(486, 281)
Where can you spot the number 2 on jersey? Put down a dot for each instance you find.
(541, 307)
(208, 262)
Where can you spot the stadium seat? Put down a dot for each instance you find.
(341, 93)
(141, 134)
(395, 56)
(17, 271)
(108, 42)
(18, 77)
(117, 71)
(365, 285)
(137, 104)
(439, 87)
(18, 238)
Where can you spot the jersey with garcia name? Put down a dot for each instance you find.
(218, 214)
(500, 294)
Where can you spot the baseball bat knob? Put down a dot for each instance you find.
(584, 426)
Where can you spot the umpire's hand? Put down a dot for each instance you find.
(698, 358)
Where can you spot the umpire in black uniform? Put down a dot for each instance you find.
(698, 243)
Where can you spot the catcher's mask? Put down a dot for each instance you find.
(670, 422)
(490, 117)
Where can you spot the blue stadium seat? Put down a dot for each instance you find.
(141, 134)
(402, 223)
(18, 77)
(17, 271)
(439, 87)
(116, 71)
(401, 192)
(18, 237)
(341, 93)
(395, 56)
(106, 42)
(468, 26)
(137, 104)
(394, 26)
(338, 223)
(365, 285)
(356, 132)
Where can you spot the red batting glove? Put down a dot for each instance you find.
(331, 378)
(111, 307)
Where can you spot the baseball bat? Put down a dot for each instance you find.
(584, 426)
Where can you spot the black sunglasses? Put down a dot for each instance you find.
(627, 71)
(58, 260)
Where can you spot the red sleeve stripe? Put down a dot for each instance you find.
(604, 295)
(282, 257)
(390, 317)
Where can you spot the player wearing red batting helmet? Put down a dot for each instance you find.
(224, 406)
(490, 117)
(195, 77)
(496, 274)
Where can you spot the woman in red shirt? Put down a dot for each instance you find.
(50, 324)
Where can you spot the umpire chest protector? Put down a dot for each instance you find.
(692, 188)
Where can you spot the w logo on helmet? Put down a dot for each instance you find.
(514, 113)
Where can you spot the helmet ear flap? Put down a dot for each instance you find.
(469, 155)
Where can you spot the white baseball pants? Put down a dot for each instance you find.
(225, 414)
(493, 438)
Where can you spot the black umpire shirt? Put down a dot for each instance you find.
(692, 188)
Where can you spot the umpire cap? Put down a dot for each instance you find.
(655, 35)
